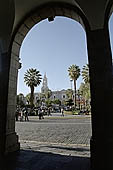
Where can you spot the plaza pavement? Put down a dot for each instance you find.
(53, 143)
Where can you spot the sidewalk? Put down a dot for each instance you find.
(46, 156)
(54, 143)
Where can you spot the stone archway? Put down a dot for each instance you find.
(49, 11)
(99, 54)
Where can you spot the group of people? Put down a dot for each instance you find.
(42, 112)
(22, 114)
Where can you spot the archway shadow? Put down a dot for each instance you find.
(36, 160)
(78, 149)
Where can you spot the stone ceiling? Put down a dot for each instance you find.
(94, 10)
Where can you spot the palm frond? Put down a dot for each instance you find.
(74, 72)
(85, 73)
(32, 77)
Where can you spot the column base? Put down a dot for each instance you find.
(12, 143)
(101, 154)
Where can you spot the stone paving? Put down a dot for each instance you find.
(54, 143)
(69, 130)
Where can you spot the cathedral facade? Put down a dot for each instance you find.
(59, 94)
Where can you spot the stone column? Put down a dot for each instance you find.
(100, 68)
(8, 138)
(12, 143)
(4, 71)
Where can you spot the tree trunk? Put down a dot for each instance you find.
(32, 97)
(75, 93)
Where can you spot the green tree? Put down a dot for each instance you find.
(69, 102)
(85, 87)
(74, 73)
(56, 101)
(85, 73)
(32, 78)
(86, 78)
(85, 93)
(48, 94)
(69, 93)
(48, 102)
(28, 98)
(20, 100)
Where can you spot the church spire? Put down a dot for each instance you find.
(44, 84)
(45, 77)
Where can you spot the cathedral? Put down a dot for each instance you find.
(61, 94)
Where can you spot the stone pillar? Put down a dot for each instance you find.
(12, 143)
(8, 74)
(100, 68)
(4, 73)
(8, 137)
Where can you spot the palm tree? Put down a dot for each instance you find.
(32, 78)
(86, 78)
(86, 85)
(85, 73)
(74, 73)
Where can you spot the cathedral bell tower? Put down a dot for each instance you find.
(44, 84)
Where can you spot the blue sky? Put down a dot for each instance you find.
(52, 47)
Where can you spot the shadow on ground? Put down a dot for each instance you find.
(35, 160)
(70, 149)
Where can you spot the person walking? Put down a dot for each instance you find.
(17, 114)
(26, 114)
(49, 112)
(21, 115)
(39, 114)
(42, 114)
(62, 111)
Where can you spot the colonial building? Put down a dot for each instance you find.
(59, 94)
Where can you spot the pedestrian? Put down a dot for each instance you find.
(21, 115)
(26, 114)
(42, 113)
(49, 111)
(39, 114)
(62, 111)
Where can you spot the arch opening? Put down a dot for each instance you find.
(15, 53)
(55, 53)
(111, 32)
(110, 24)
